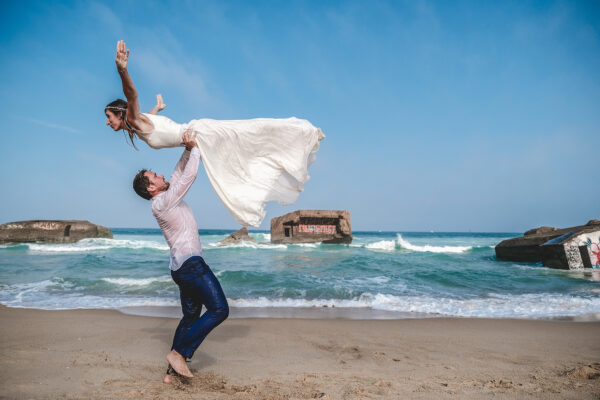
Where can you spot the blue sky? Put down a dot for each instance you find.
(445, 116)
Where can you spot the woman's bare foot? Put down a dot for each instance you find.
(168, 379)
(178, 363)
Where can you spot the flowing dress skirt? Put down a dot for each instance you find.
(250, 162)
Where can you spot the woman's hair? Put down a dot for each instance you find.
(119, 107)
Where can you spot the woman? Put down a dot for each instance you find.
(248, 162)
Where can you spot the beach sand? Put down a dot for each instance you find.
(104, 354)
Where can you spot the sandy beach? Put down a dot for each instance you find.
(104, 354)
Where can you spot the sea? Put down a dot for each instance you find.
(380, 275)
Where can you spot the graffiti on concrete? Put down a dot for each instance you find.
(595, 250)
(328, 229)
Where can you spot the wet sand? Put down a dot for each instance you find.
(104, 354)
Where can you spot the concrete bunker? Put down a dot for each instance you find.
(308, 226)
(577, 247)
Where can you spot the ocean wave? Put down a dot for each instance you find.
(401, 243)
(384, 245)
(308, 245)
(373, 279)
(137, 282)
(14, 246)
(405, 244)
(90, 302)
(261, 236)
(43, 295)
(519, 306)
(60, 294)
(244, 244)
(87, 245)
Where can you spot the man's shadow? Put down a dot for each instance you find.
(229, 329)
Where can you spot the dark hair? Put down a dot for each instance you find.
(119, 107)
(140, 185)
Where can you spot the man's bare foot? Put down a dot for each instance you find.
(178, 363)
(168, 379)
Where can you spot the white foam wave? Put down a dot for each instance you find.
(137, 282)
(405, 244)
(384, 245)
(520, 306)
(263, 236)
(264, 246)
(87, 245)
(47, 295)
(309, 245)
(90, 302)
(373, 279)
(43, 295)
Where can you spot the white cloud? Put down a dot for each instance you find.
(52, 125)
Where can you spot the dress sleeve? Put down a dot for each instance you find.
(180, 184)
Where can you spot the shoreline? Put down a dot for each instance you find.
(318, 313)
(343, 313)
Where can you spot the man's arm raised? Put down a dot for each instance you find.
(179, 185)
(190, 136)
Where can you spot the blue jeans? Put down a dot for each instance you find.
(197, 286)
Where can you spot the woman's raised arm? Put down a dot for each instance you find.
(133, 105)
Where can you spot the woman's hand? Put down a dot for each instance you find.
(122, 56)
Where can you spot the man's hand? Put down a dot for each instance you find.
(122, 55)
(189, 139)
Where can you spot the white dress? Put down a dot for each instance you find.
(248, 162)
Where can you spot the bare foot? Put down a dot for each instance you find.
(168, 379)
(178, 363)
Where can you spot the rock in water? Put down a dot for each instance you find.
(239, 236)
(51, 231)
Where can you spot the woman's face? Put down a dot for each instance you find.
(113, 120)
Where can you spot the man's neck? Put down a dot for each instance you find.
(157, 193)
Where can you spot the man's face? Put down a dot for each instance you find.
(157, 182)
(113, 120)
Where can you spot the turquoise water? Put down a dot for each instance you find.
(441, 274)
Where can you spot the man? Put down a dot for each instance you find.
(197, 284)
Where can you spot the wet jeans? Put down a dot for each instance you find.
(197, 286)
